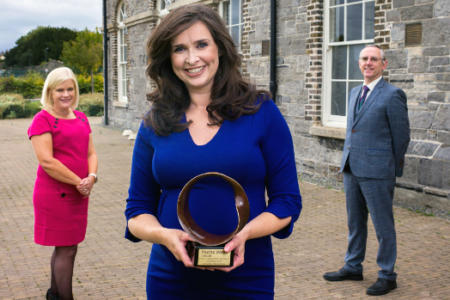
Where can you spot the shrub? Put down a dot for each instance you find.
(84, 83)
(8, 84)
(11, 106)
(31, 108)
(14, 106)
(11, 98)
(98, 83)
(3, 107)
(30, 85)
(91, 104)
(14, 111)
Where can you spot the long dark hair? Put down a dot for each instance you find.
(231, 95)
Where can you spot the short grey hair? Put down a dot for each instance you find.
(374, 46)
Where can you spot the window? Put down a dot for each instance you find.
(231, 12)
(122, 55)
(163, 6)
(349, 26)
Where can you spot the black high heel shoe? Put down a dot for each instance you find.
(51, 296)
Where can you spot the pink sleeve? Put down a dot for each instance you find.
(39, 125)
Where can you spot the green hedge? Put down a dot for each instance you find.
(15, 106)
(91, 104)
(84, 83)
(30, 85)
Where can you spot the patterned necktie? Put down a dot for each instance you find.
(363, 97)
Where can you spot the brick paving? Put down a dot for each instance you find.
(110, 267)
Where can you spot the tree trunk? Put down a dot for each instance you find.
(92, 82)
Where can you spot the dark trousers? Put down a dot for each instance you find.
(374, 196)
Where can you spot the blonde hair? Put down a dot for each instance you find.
(55, 78)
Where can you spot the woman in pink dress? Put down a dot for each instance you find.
(62, 141)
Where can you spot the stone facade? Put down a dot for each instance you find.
(421, 69)
(142, 17)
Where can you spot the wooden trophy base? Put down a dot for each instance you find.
(209, 256)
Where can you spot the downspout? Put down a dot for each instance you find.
(273, 49)
(105, 65)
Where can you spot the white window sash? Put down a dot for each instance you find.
(122, 57)
(328, 119)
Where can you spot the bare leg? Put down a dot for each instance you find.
(64, 258)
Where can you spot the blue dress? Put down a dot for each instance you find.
(257, 151)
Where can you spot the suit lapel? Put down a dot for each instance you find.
(369, 101)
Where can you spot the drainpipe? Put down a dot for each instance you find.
(273, 49)
(105, 65)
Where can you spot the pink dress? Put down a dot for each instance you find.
(60, 211)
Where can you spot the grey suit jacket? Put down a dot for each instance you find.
(378, 136)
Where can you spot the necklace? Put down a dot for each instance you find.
(66, 115)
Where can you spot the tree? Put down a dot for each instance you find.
(84, 54)
(38, 45)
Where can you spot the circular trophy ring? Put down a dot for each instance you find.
(198, 233)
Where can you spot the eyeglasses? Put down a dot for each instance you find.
(372, 58)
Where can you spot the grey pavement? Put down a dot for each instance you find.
(110, 267)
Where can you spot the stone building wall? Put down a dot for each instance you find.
(421, 69)
(141, 19)
(299, 74)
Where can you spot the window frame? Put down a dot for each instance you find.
(162, 11)
(240, 25)
(122, 55)
(328, 119)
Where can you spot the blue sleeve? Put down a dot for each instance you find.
(281, 180)
(144, 191)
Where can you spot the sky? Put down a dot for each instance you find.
(18, 17)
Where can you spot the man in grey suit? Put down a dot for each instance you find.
(375, 145)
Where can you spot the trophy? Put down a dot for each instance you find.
(208, 248)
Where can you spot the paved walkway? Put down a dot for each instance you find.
(110, 267)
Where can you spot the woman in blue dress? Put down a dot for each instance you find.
(206, 118)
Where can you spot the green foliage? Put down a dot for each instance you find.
(85, 53)
(30, 85)
(8, 84)
(14, 106)
(38, 45)
(84, 83)
(31, 108)
(14, 111)
(91, 104)
(11, 98)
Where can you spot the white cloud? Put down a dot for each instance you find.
(18, 17)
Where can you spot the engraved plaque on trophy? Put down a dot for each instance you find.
(208, 248)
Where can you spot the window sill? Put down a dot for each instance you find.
(120, 104)
(329, 132)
